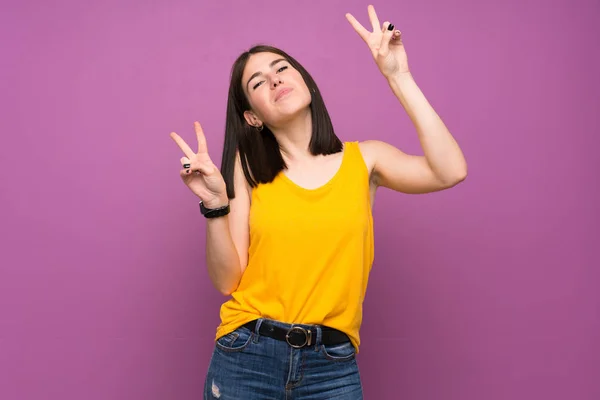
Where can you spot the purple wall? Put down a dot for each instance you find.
(487, 291)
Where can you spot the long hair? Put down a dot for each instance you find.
(259, 152)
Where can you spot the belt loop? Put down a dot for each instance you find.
(257, 330)
(318, 337)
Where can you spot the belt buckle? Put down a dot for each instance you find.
(307, 336)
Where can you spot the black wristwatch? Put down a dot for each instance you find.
(214, 212)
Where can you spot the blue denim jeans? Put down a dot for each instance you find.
(249, 366)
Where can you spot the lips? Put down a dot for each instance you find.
(282, 93)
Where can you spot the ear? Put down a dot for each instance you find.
(252, 119)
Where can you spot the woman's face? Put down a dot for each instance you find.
(275, 90)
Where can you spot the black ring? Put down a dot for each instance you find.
(186, 166)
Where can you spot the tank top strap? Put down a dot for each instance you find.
(354, 165)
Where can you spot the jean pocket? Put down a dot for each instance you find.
(339, 352)
(234, 341)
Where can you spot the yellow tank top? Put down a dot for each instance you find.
(310, 254)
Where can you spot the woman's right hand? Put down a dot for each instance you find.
(202, 177)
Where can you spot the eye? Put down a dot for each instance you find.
(261, 82)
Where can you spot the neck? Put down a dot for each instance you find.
(294, 136)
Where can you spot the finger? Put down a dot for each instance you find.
(373, 18)
(384, 47)
(203, 167)
(196, 170)
(362, 32)
(182, 145)
(185, 162)
(201, 138)
(397, 39)
(187, 173)
(387, 25)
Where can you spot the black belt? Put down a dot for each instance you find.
(298, 336)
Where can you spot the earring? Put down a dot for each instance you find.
(260, 128)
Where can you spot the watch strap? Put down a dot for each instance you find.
(214, 212)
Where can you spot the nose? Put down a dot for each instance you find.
(275, 81)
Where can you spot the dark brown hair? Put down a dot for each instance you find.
(260, 155)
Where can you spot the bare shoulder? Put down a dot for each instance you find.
(369, 150)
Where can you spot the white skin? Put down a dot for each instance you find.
(442, 166)
(289, 118)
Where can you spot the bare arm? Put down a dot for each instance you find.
(227, 238)
(443, 164)
(443, 157)
(406, 173)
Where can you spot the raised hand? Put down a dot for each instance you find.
(199, 173)
(385, 44)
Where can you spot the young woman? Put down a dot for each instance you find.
(289, 224)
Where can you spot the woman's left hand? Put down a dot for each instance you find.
(385, 44)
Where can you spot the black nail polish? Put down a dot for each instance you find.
(186, 165)
(390, 27)
(187, 172)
